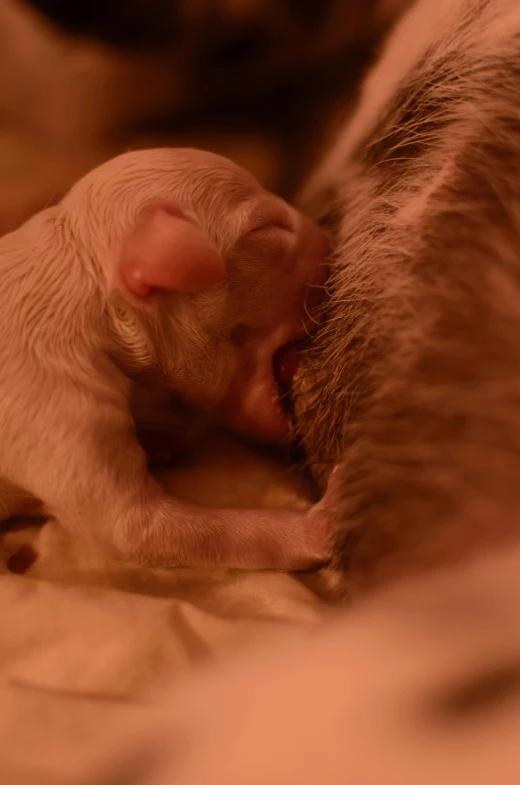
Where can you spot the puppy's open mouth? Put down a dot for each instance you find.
(285, 365)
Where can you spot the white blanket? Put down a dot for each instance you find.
(419, 686)
(81, 635)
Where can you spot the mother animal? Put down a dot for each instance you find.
(414, 381)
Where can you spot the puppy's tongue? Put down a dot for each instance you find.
(285, 365)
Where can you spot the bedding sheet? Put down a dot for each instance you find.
(83, 638)
(416, 686)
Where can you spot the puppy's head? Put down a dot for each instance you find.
(207, 277)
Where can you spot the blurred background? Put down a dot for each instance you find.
(261, 81)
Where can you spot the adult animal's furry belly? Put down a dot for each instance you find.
(413, 382)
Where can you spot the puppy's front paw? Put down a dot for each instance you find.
(320, 520)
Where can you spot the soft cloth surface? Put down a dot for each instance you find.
(73, 620)
(414, 687)
(85, 640)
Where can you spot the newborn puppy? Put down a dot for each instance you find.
(172, 268)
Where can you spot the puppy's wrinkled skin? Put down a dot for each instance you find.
(414, 381)
(172, 269)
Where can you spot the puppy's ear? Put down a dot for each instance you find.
(165, 252)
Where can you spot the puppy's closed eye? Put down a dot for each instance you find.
(286, 226)
(269, 214)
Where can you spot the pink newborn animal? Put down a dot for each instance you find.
(169, 267)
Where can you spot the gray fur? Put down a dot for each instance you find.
(413, 384)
